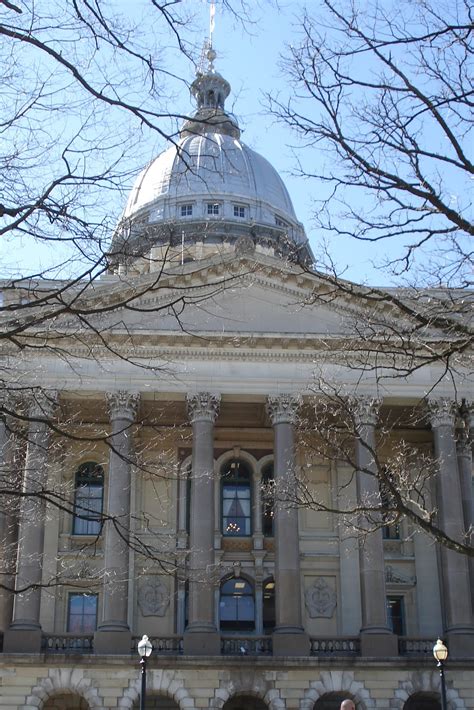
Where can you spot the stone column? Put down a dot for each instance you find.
(113, 634)
(465, 444)
(201, 635)
(8, 518)
(454, 570)
(25, 631)
(376, 637)
(289, 638)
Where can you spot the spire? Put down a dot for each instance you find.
(210, 91)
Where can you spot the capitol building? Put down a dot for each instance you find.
(182, 445)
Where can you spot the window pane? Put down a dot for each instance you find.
(82, 613)
(88, 499)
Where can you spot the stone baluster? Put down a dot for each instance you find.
(113, 635)
(376, 637)
(454, 570)
(25, 631)
(201, 635)
(289, 637)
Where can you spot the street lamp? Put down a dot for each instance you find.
(144, 651)
(440, 652)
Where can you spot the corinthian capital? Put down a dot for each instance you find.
(365, 410)
(203, 406)
(122, 404)
(42, 403)
(283, 408)
(441, 412)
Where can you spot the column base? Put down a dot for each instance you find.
(22, 640)
(378, 644)
(290, 643)
(113, 642)
(202, 643)
(460, 643)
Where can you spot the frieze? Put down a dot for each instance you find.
(320, 599)
(153, 596)
(394, 576)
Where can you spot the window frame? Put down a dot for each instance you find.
(240, 211)
(90, 520)
(89, 595)
(237, 624)
(267, 500)
(213, 209)
(400, 622)
(236, 482)
(186, 209)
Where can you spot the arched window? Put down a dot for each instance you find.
(331, 701)
(269, 617)
(237, 605)
(423, 701)
(88, 499)
(268, 500)
(236, 499)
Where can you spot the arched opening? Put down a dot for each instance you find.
(332, 701)
(88, 499)
(236, 499)
(245, 702)
(269, 614)
(268, 500)
(423, 701)
(157, 701)
(237, 605)
(66, 701)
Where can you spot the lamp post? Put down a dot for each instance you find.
(144, 651)
(440, 652)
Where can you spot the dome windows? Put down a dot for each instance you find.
(186, 210)
(240, 211)
(213, 209)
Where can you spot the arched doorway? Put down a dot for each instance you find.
(245, 702)
(423, 701)
(332, 701)
(66, 701)
(156, 701)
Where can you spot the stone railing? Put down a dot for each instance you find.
(246, 645)
(68, 643)
(162, 645)
(413, 646)
(330, 646)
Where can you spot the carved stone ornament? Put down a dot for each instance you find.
(245, 246)
(320, 599)
(203, 406)
(393, 576)
(283, 408)
(153, 596)
(441, 412)
(122, 404)
(365, 410)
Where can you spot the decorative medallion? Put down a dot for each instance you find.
(320, 599)
(153, 596)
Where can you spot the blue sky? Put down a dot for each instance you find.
(249, 57)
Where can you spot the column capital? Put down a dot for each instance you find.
(441, 412)
(364, 409)
(42, 404)
(283, 408)
(203, 406)
(122, 404)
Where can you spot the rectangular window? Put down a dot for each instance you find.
(213, 208)
(280, 222)
(186, 210)
(239, 211)
(82, 613)
(396, 615)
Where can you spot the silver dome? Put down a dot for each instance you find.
(215, 167)
(209, 188)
